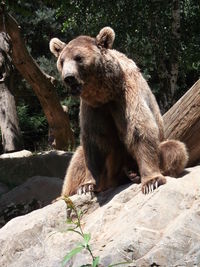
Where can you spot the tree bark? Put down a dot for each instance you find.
(176, 36)
(166, 54)
(11, 134)
(182, 122)
(41, 83)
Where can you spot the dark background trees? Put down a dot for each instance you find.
(162, 37)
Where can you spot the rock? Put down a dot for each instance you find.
(18, 154)
(159, 229)
(13, 210)
(3, 188)
(38, 231)
(35, 193)
(41, 188)
(17, 167)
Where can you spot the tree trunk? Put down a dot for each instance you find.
(11, 134)
(182, 122)
(166, 54)
(41, 83)
(176, 18)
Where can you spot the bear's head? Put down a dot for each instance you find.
(80, 61)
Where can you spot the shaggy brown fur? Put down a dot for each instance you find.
(173, 157)
(119, 118)
(77, 168)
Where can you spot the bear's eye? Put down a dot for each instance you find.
(78, 58)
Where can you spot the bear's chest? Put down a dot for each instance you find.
(96, 96)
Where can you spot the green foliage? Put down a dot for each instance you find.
(72, 253)
(76, 227)
(28, 121)
(33, 126)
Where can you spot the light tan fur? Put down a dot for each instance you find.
(77, 174)
(119, 117)
(56, 46)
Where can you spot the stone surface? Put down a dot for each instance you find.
(35, 193)
(18, 154)
(159, 229)
(3, 188)
(16, 168)
(41, 188)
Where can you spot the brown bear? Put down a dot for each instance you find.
(120, 120)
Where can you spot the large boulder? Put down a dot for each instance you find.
(35, 193)
(17, 167)
(19, 154)
(3, 188)
(43, 189)
(158, 229)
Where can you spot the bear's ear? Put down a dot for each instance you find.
(105, 38)
(56, 46)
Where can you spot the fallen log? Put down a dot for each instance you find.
(182, 122)
(41, 83)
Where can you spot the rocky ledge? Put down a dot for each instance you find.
(158, 229)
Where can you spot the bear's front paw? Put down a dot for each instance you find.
(151, 184)
(86, 189)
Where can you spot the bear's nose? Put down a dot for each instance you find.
(70, 79)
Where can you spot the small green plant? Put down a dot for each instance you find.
(75, 222)
(77, 228)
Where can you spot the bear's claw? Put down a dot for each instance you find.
(86, 189)
(153, 184)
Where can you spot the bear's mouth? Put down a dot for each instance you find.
(74, 85)
(74, 88)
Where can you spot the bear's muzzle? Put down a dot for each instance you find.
(74, 87)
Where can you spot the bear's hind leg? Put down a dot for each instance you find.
(173, 157)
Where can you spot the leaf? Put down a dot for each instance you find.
(87, 238)
(72, 253)
(69, 221)
(69, 203)
(95, 262)
(79, 214)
